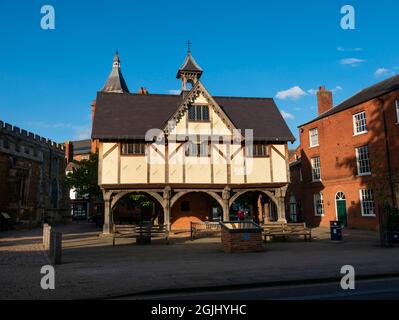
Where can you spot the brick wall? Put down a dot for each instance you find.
(200, 210)
(238, 242)
(336, 149)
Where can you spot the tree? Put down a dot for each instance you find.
(84, 178)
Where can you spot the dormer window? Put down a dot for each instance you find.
(198, 113)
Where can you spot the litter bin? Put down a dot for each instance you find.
(393, 236)
(336, 230)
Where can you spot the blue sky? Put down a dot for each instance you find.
(281, 49)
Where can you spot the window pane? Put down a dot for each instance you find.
(363, 160)
(205, 113)
(318, 204)
(360, 122)
(367, 202)
(315, 168)
(191, 113)
(314, 137)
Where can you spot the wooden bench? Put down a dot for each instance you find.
(145, 231)
(140, 232)
(198, 229)
(284, 230)
(299, 229)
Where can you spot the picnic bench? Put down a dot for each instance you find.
(285, 230)
(143, 233)
(198, 229)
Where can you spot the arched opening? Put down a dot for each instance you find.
(340, 207)
(253, 205)
(194, 206)
(137, 207)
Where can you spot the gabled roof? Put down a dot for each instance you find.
(189, 65)
(115, 81)
(375, 91)
(130, 116)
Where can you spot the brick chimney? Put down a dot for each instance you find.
(324, 99)
(143, 91)
(93, 111)
(68, 151)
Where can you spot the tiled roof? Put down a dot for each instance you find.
(365, 95)
(130, 116)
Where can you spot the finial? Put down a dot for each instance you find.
(117, 61)
(188, 46)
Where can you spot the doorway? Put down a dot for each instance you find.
(340, 204)
(293, 209)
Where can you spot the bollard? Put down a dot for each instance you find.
(48, 233)
(55, 247)
(45, 225)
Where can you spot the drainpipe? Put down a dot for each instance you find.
(382, 221)
(388, 153)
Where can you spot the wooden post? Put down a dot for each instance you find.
(45, 226)
(46, 236)
(55, 247)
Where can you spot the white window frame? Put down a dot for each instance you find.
(314, 168)
(355, 123)
(397, 111)
(363, 162)
(367, 202)
(318, 201)
(312, 135)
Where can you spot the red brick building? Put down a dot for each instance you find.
(347, 164)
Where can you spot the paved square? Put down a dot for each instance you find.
(93, 268)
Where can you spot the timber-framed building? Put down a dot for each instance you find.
(189, 152)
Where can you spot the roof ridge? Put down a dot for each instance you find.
(380, 92)
(248, 98)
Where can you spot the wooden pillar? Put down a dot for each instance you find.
(226, 203)
(280, 196)
(108, 221)
(167, 193)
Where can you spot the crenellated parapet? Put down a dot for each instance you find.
(22, 143)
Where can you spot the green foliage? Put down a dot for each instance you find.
(84, 178)
(393, 218)
(137, 200)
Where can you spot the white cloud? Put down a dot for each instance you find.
(294, 93)
(342, 49)
(287, 115)
(382, 72)
(352, 61)
(336, 89)
(173, 91)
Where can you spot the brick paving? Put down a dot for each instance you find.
(93, 268)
